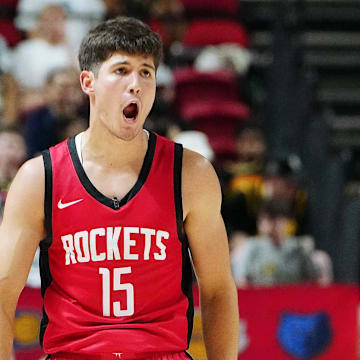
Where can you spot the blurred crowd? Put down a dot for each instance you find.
(203, 102)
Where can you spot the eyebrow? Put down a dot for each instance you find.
(125, 62)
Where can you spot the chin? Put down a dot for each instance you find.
(127, 134)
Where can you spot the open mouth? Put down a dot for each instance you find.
(131, 111)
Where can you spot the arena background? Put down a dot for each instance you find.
(274, 86)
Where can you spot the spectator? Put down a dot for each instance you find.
(282, 179)
(253, 179)
(63, 115)
(244, 190)
(35, 58)
(251, 150)
(273, 257)
(82, 15)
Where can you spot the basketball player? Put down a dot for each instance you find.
(115, 210)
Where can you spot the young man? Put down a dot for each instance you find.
(275, 255)
(122, 206)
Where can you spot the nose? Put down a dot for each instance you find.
(134, 84)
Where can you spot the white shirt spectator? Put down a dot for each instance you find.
(81, 16)
(34, 59)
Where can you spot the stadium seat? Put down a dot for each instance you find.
(192, 86)
(198, 7)
(218, 120)
(203, 32)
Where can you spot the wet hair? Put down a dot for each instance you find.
(122, 33)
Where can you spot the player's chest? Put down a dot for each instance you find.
(113, 184)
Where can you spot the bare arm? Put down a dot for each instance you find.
(20, 233)
(205, 229)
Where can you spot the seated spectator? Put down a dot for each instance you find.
(282, 179)
(244, 180)
(254, 179)
(35, 58)
(274, 256)
(251, 150)
(82, 15)
(64, 114)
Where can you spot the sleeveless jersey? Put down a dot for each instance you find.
(116, 275)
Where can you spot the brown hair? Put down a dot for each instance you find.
(120, 34)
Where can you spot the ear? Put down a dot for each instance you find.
(87, 80)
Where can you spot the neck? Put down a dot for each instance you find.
(109, 151)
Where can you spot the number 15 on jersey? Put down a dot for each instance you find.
(117, 286)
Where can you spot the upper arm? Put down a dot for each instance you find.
(22, 228)
(203, 223)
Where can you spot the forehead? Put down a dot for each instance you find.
(134, 59)
(52, 12)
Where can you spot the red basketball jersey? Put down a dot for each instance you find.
(116, 274)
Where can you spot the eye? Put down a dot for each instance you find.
(120, 71)
(146, 73)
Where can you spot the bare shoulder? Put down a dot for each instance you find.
(27, 190)
(200, 184)
(30, 177)
(33, 168)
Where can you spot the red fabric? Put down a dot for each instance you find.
(193, 86)
(74, 301)
(214, 32)
(158, 27)
(27, 323)
(9, 32)
(229, 6)
(232, 110)
(7, 28)
(260, 310)
(114, 356)
(219, 120)
(10, 2)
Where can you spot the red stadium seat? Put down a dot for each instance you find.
(214, 6)
(214, 32)
(218, 120)
(10, 33)
(192, 85)
(7, 28)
